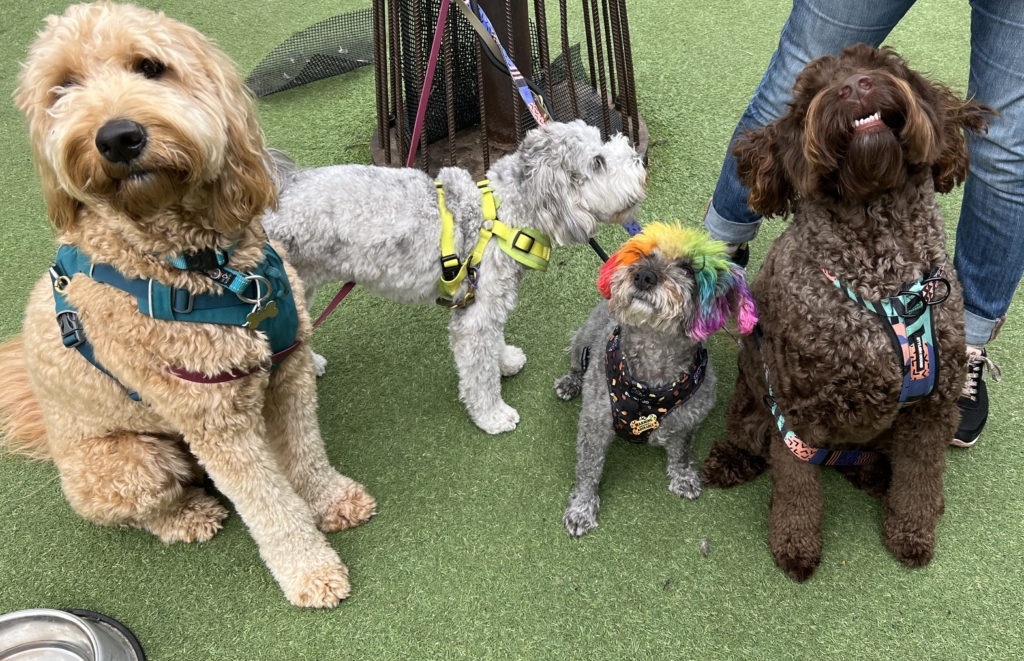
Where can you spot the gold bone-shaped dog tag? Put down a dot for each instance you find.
(644, 424)
(253, 319)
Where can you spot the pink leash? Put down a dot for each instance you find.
(428, 82)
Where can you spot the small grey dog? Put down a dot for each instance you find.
(381, 228)
(639, 360)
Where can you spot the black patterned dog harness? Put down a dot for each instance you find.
(637, 410)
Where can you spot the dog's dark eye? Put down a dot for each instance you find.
(151, 68)
(686, 266)
(599, 163)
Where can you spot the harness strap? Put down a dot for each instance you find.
(907, 319)
(796, 445)
(638, 409)
(527, 246)
(224, 377)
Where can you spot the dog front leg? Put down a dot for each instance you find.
(914, 501)
(794, 520)
(477, 339)
(592, 444)
(224, 427)
(683, 477)
(294, 433)
(739, 458)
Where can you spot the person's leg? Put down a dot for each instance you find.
(814, 28)
(990, 237)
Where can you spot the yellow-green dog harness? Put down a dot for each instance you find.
(527, 246)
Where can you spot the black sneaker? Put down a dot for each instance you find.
(973, 400)
(741, 255)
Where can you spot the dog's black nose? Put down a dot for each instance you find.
(121, 141)
(856, 87)
(643, 159)
(644, 279)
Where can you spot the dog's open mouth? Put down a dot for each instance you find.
(869, 123)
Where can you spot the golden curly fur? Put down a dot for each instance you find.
(201, 180)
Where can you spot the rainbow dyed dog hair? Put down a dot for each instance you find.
(722, 285)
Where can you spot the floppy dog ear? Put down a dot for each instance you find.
(60, 207)
(246, 186)
(760, 167)
(547, 167)
(723, 294)
(958, 117)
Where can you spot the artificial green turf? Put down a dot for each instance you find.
(467, 558)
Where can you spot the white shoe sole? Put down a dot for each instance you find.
(956, 442)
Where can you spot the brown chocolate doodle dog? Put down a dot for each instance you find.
(857, 159)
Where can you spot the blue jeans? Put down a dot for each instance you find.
(990, 235)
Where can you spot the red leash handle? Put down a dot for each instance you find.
(428, 82)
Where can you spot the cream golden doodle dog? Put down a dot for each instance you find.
(148, 149)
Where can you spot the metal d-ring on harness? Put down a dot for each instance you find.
(907, 318)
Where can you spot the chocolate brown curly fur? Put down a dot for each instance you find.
(863, 204)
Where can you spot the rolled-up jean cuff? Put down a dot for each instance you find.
(979, 330)
(727, 230)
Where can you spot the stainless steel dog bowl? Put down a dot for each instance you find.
(42, 634)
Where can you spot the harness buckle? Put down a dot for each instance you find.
(203, 260)
(515, 243)
(72, 334)
(450, 266)
(174, 300)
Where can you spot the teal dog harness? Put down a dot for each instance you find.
(259, 300)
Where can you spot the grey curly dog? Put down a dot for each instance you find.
(638, 360)
(381, 228)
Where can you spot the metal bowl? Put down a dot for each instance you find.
(42, 634)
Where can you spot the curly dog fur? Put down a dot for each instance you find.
(863, 204)
(381, 228)
(200, 180)
(656, 303)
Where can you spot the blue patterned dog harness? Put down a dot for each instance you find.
(907, 318)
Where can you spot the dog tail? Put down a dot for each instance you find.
(287, 170)
(21, 419)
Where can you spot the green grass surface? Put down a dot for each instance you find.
(467, 558)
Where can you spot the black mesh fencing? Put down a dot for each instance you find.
(343, 43)
(334, 46)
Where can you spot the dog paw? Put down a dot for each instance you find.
(569, 386)
(581, 516)
(196, 519)
(323, 587)
(729, 466)
(353, 506)
(579, 522)
(319, 364)
(914, 548)
(798, 557)
(512, 360)
(685, 483)
(500, 419)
